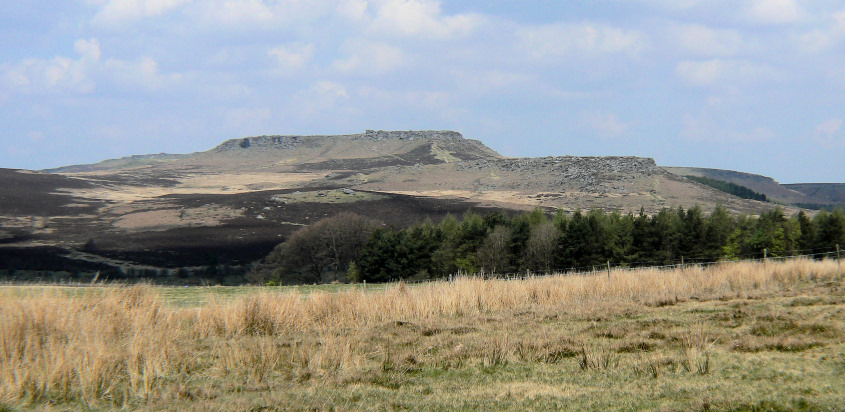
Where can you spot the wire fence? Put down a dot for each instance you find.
(594, 270)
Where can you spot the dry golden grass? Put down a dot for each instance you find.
(113, 348)
(123, 347)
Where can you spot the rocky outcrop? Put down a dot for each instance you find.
(260, 142)
(379, 135)
(569, 165)
(290, 142)
(591, 174)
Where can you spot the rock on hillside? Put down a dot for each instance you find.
(287, 142)
(580, 173)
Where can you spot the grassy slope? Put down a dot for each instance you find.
(830, 193)
(736, 336)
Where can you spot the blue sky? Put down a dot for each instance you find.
(749, 85)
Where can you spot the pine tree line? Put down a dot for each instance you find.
(352, 248)
(728, 187)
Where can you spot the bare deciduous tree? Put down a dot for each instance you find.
(541, 246)
(493, 253)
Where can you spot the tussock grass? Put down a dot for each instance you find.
(111, 348)
(121, 346)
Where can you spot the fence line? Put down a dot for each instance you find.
(599, 270)
(508, 276)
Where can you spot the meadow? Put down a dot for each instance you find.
(732, 336)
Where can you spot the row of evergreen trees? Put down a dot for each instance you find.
(728, 187)
(352, 247)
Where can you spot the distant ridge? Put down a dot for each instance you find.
(805, 195)
(773, 190)
(360, 151)
(123, 162)
(830, 192)
(395, 148)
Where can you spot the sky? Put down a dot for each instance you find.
(750, 85)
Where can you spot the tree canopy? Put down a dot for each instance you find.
(497, 243)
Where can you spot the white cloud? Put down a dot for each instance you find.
(675, 4)
(421, 18)
(486, 81)
(706, 41)
(242, 12)
(717, 72)
(697, 128)
(323, 102)
(115, 12)
(110, 133)
(704, 127)
(829, 127)
(141, 74)
(330, 90)
(293, 56)
(606, 125)
(401, 18)
(824, 39)
(829, 133)
(88, 49)
(758, 134)
(775, 11)
(249, 15)
(370, 58)
(59, 74)
(702, 72)
(353, 9)
(312, 16)
(416, 100)
(561, 39)
(240, 118)
(80, 76)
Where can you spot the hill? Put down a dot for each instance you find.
(821, 193)
(231, 204)
(123, 162)
(790, 194)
